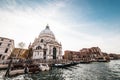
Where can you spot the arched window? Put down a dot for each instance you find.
(54, 53)
(38, 47)
(42, 40)
(3, 57)
(6, 50)
(0, 56)
(0, 44)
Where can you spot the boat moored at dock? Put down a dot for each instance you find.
(44, 67)
(103, 59)
(3, 66)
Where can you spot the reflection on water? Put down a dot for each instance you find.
(94, 71)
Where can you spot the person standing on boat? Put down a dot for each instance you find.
(26, 70)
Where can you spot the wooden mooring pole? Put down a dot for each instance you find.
(8, 69)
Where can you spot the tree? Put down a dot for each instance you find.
(21, 46)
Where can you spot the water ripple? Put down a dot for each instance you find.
(94, 71)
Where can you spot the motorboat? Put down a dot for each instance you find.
(3, 66)
(44, 67)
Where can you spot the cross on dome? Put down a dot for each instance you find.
(47, 27)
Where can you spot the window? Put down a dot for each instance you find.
(39, 47)
(1, 39)
(42, 40)
(0, 55)
(10, 41)
(36, 48)
(0, 44)
(3, 57)
(8, 45)
(6, 50)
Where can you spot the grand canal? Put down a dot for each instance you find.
(93, 71)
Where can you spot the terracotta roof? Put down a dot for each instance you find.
(20, 53)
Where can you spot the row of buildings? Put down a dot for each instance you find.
(90, 54)
(45, 46)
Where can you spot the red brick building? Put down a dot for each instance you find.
(92, 53)
(71, 55)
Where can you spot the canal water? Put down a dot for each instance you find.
(93, 71)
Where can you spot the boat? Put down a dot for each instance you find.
(18, 69)
(74, 63)
(93, 60)
(85, 61)
(58, 65)
(16, 72)
(64, 65)
(3, 66)
(103, 59)
(33, 68)
(44, 67)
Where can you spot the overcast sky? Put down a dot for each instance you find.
(76, 24)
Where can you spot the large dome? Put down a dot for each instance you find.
(47, 33)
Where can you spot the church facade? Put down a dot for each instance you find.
(46, 46)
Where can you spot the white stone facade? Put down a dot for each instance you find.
(6, 47)
(46, 46)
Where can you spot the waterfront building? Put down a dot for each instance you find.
(46, 46)
(71, 55)
(20, 53)
(6, 47)
(90, 54)
(85, 54)
(114, 56)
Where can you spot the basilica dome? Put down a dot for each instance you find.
(47, 33)
(46, 46)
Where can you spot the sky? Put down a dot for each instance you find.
(76, 24)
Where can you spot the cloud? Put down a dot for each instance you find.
(24, 23)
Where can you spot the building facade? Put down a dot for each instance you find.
(46, 46)
(20, 53)
(6, 48)
(90, 54)
(71, 55)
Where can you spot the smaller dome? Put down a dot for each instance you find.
(47, 33)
